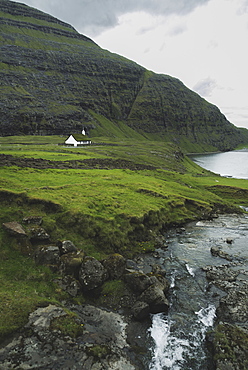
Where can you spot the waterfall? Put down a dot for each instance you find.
(175, 349)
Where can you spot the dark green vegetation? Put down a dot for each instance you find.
(54, 81)
(231, 343)
(68, 325)
(101, 208)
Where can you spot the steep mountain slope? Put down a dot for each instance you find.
(55, 81)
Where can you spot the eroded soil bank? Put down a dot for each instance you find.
(97, 163)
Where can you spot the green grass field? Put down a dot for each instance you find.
(100, 210)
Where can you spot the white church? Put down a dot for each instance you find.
(78, 139)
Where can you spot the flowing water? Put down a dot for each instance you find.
(177, 340)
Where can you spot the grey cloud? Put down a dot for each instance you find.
(94, 16)
(177, 30)
(205, 87)
(243, 8)
(144, 30)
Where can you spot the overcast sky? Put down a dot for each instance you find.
(201, 42)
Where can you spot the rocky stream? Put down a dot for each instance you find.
(185, 306)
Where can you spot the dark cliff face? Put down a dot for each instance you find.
(54, 81)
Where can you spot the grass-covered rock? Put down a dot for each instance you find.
(230, 347)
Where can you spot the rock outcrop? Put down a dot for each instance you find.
(83, 274)
(229, 339)
(100, 341)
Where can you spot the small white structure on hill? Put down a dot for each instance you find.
(78, 139)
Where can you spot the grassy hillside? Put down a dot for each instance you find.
(55, 81)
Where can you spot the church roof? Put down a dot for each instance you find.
(80, 137)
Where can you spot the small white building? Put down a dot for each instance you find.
(77, 139)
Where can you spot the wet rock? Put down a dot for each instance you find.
(220, 274)
(156, 299)
(230, 343)
(40, 346)
(140, 310)
(137, 281)
(41, 318)
(233, 307)
(47, 255)
(218, 252)
(229, 240)
(69, 285)
(67, 246)
(71, 263)
(162, 282)
(15, 229)
(132, 265)
(158, 270)
(92, 274)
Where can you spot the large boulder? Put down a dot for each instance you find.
(47, 255)
(92, 274)
(66, 246)
(230, 347)
(115, 265)
(69, 285)
(14, 228)
(140, 310)
(71, 263)
(155, 298)
(137, 281)
(79, 337)
(162, 282)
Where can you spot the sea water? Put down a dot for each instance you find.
(230, 164)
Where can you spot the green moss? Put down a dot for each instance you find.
(112, 293)
(231, 345)
(68, 325)
(99, 351)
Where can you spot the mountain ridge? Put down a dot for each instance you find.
(55, 80)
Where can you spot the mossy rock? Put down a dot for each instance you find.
(99, 351)
(68, 325)
(71, 262)
(230, 346)
(115, 265)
